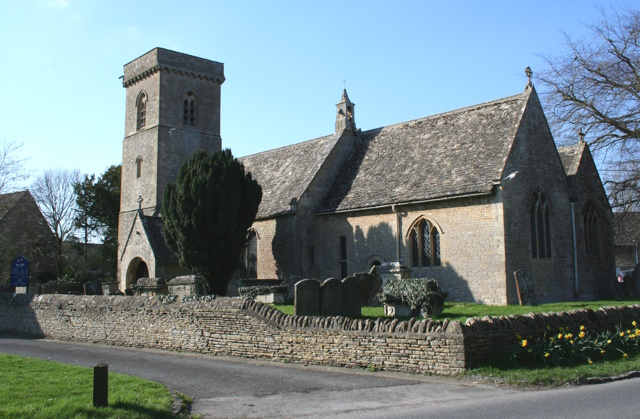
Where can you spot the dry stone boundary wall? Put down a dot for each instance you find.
(240, 327)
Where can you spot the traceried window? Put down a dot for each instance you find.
(591, 230)
(540, 220)
(138, 167)
(189, 110)
(425, 244)
(141, 106)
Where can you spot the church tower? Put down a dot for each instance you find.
(172, 110)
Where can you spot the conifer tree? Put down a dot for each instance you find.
(207, 214)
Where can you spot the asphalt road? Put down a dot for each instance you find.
(234, 388)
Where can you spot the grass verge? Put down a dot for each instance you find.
(502, 371)
(35, 388)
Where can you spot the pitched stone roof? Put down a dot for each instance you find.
(626, 228)
(8, 200)
(153, 229)
(285, 173)
(446, 155)
(570, 157)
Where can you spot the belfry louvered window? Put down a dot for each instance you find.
(141, 106)
(540, 220)
(189, 110)
(424, 239)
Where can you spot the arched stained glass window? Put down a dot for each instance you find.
(424, 239)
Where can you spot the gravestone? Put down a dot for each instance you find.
(188, 285)
(307, 298)
(370, 285)
(526, 290)
(393, 270)
(92, 288)
(351, 297)
(331, 303)
(151, 286)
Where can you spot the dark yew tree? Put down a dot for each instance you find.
(98, 202)
(207, 214)
(594, 87)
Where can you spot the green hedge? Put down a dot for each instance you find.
(422, 294)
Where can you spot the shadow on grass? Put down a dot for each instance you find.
(121, 410)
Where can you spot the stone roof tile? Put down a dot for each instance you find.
(570, 156)
(8, 200)
(285, 173)
(153, 230)
(445, 155)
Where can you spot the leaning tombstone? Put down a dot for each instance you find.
(307, 298)
(331, 297)
(525, 287)
(351, 297)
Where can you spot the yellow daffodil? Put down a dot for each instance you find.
(569, 336)
(582, 328)
(590, 361)
(609, 342)
(582, 335)
(559, 335)
(547, 355)
(634, 323)
(602, 352)
(524, 343)
(571, 342)
(621, 334)
(625, 355)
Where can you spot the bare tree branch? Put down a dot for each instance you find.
(12, 166)
(54, 192)
(594, 86)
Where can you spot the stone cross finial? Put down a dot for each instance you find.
(528, 73)
(140, 202)
(581, 135)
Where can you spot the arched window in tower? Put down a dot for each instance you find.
(591, 230)
(141, 106)
(138, 167)
(424, 240)
(189, 110)
(540, 221)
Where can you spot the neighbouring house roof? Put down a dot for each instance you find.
(446, 155)
(626, 228)
(153, 229)
(9, 200)
(285, 173)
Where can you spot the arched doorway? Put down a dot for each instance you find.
(137, 269)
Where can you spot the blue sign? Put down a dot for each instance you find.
(20, 272)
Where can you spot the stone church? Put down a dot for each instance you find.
(466, 197)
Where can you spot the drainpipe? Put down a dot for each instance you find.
(575, 249)
(394, 208)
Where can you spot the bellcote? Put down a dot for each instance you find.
(345, 116)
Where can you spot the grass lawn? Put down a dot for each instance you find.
(35, 388)
(464, 311)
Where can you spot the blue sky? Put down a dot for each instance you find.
(285, 62)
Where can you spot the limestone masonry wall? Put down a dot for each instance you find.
(242, 328)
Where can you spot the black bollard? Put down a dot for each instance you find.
(101, 385)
